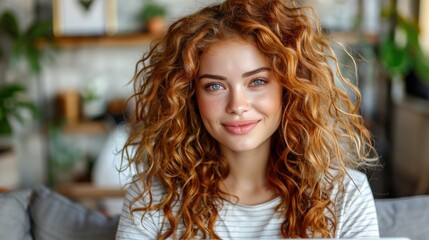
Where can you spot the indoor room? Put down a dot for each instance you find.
(67, 70)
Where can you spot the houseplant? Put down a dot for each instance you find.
(152, 15)
(404, 58)
(18, 48)
(17, 45)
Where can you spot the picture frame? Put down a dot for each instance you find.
(84, 17)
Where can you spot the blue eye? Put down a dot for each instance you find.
(258, 82)
(214, 86)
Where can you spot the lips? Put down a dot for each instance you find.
(240, 127)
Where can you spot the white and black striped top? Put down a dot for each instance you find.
(356, 215)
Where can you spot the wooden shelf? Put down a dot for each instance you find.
(130, 40)
(351, 38)
(98, 127)
(80, 191)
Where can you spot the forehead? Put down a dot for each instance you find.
(233, 54)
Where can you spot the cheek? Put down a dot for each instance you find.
(271, 103)
(207, 107)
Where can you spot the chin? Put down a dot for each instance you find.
(242, 147)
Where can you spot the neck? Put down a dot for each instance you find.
(248, 166)
(247, 177)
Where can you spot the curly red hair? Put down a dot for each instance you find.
(321, 129)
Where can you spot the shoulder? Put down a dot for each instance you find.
(355, 208)
(355, 179)
(354, 185)
(355, 175)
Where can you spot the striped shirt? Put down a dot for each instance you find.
(355, 211)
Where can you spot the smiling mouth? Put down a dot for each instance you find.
(240, 128)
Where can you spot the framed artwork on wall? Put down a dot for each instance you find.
(84, 17)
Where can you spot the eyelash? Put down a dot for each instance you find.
(262, 81)
(209, 86)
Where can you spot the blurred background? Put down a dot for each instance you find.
(66, 67)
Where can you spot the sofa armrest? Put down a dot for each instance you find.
(403, 217)
(14, 217)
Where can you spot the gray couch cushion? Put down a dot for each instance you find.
(404, 217)
(56, 217)
(14, 219)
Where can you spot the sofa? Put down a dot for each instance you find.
(41, 213)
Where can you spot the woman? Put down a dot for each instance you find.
(243, 130)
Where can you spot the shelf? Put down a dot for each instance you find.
(130, 40)
(98, 127)
(351, 38)
(89, 191)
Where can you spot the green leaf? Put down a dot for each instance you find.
(11, 104)
(33, 56)
(16, 114)
(11, 90)
(39, 29)
(9, 24)
(5, 128)
(395, 59)
(17, 50)
(151, 10)
(25, 43)
(411, 31)
(28, 106)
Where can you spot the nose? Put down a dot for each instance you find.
(238, 102)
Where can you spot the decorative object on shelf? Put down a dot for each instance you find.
(86, 4)
(84, 17)
(9, 177)
(403, 57)
(67, 106)
(153, 15)
(93, 102)
(93, 105)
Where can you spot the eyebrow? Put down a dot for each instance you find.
(262, 69)
(246, 74)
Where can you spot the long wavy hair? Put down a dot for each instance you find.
(321, 133)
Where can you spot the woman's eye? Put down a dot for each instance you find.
(214, 86)
(258, 82)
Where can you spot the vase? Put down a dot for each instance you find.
(9, 174)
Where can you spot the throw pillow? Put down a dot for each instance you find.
(56, 217)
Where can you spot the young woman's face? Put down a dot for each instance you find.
(239, 100)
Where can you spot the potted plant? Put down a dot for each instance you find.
(405, 59)
(16, 45)
(152, 15)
